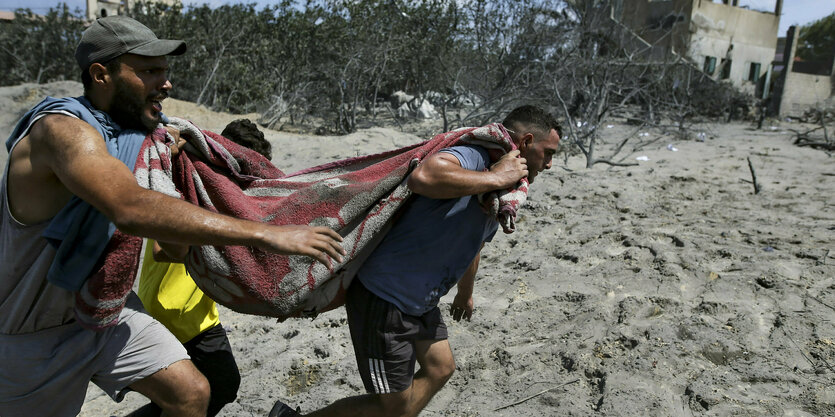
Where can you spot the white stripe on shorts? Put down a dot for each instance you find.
(378, 376)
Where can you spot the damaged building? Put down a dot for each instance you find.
(726, 41)
(801, 84)
(734, 44)
(104, 8)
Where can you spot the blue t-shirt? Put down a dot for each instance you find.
(430, 247)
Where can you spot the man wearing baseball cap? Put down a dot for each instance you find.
(68, 184)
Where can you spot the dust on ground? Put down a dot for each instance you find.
(666, 289)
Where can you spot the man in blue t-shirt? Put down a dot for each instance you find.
(392, 305)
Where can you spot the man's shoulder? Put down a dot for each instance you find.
(72, 107)
(59, 126)
(472, 146)
(474, 157)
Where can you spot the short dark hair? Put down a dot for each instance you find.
(112, 66)
(245, 133)
(531, 117)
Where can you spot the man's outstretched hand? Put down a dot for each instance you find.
(319, 242)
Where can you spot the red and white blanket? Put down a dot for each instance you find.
(357, 197)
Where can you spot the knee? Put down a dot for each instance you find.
(201, 390)
(194, 398)
(442, 372)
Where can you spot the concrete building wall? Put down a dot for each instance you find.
(745, 37)
(102, 8)
(797, 92)
(663, 24)
(702, 30)
(803, 91)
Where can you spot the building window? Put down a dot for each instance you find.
(710, 65)
(754, 72)
(726, 69)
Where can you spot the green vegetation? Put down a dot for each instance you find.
(817, 40)
(40, 49)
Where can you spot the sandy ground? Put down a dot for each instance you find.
(663, 289)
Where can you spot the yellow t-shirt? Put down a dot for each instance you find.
(171, 296)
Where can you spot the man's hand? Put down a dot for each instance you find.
(317, 242)
(169, 252)
(179, 142)
(509, 169)
(462, 307)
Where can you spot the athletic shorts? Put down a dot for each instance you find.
(384, 339)
(211, 353)
(46, 373)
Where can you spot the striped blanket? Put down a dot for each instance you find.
(357, 197)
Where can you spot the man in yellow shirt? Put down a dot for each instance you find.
(171, 296)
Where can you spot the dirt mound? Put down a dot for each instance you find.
(17, 100)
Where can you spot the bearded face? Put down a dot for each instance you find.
(140, 86)
(129, 109)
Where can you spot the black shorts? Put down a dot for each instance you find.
(212, 355)
(384, 339)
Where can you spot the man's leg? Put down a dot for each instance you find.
(147, 358)
(180, 390)
(387, 343)
(436, 367)
(212, 355)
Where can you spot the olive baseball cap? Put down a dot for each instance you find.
(113, 36)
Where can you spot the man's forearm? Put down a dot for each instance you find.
(75, 153)
(453, 183)
(467, 281)
(441, 176)
(157, 216)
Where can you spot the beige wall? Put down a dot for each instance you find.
(799, 91)
(802, 91)
(703, 28)
(96, 8)
(716, 27)
(113, 7)
(742, 25)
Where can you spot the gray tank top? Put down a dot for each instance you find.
(28, 302)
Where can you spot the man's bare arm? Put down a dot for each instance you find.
(442, 176)
(76, 153)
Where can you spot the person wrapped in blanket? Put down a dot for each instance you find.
(392, 303)
(171, 296)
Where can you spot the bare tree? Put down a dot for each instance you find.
(818, 137)
(333, 61)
